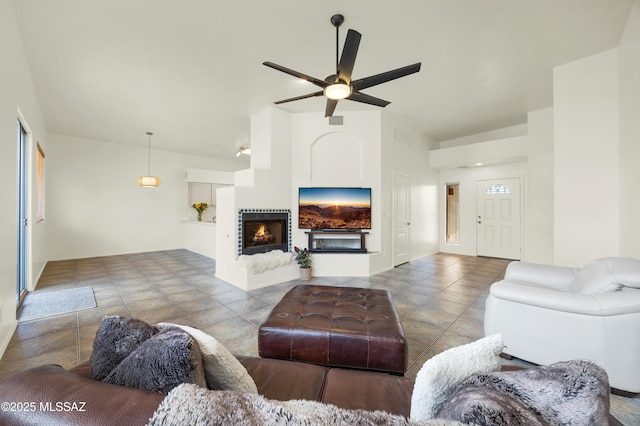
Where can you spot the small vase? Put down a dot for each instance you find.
(199, 216)
(305, 274)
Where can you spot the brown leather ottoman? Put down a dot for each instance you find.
(336, 326)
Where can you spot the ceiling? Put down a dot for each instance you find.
(191, 72)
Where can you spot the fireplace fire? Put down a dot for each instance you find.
(263, 235)
(262, 231)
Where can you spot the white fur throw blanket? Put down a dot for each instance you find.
(192, 405)
(261, 262)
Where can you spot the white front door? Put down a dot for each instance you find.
(498, 218)
(401, 220)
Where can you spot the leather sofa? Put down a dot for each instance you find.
(547, 314)
(51, 395)
(107, 404)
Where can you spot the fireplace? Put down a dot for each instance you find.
(263, 230)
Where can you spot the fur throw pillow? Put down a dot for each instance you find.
(222, 370)
(438, 376)
(166, 360)
(130, 352)
(116, 338)
(566, 393)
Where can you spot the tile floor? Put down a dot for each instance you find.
(440, 300)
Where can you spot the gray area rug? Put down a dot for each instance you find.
(42, 305)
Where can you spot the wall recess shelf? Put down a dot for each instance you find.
(338, 241)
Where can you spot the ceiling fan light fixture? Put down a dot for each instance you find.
(338, 91)
(340, 85)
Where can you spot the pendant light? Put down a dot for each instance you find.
(149, 181)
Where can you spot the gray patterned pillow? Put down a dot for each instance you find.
(116, 338)
(130, 352)
(168, 359)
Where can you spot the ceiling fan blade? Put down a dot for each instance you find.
(297, 98)
(366, 99)
(331, 107)
(317, 82)
(348, 58)
(374, 80)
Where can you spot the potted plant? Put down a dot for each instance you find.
(303, 257)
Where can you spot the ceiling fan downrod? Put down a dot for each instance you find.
(337, 20)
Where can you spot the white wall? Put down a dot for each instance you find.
(629, 85)
(492, 135)
(538, 211)
(492, 152)
(405, 150)
(16, 93)
(96, 208)
(586, 159)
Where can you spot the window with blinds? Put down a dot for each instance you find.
(39, 184)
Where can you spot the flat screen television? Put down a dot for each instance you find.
(334, 208)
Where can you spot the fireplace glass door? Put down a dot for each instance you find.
(263, 232)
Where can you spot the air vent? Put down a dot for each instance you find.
(336, 120)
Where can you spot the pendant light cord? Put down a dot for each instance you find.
(337, 55)
(149, 156)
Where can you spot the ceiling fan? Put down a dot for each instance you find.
(340, 85)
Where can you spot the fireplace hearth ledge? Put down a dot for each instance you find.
(260, 262)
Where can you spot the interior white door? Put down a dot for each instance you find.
(499, 219)
(401, 218)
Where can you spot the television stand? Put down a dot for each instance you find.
(337, 241)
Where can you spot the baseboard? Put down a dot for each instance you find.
(422, 256)
(8, 322)
(381, 270)
(6, 332)
(390, 267)
(36, 279)
(625, 394)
